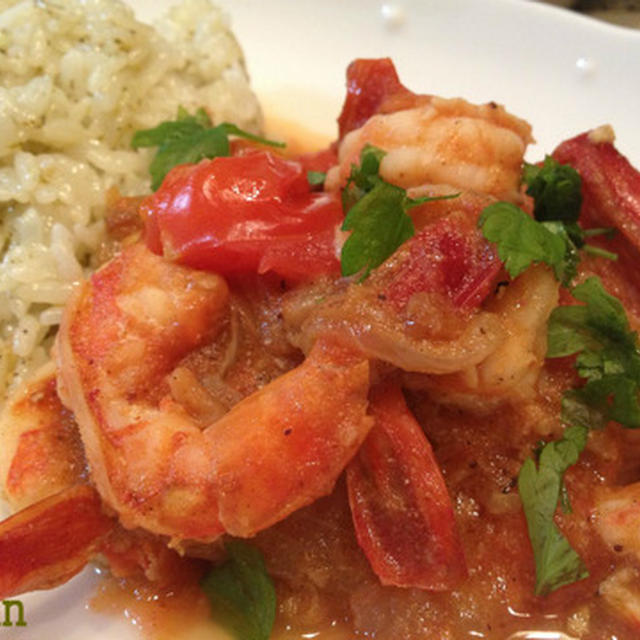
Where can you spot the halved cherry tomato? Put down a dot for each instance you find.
(401, 509)
(244, 214)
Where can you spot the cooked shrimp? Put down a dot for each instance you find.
(617, 518)
(156, 465)
(419, 310)
(445, 141)
(513, 367)
(50, 541)
(41, 450)
(621, 592)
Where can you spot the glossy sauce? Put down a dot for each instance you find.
(325, 587)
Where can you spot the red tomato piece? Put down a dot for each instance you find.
(245, 214)
(319, 160)
(402, 512)
(449, 257)
(610, 198)
(371, 83)
(610, 184)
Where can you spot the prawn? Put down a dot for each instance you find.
(432, 140)
(60, 522)
(157, 465)
(617, 517)
(41, 453)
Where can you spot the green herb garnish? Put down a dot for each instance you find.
(376, 215)
(316, 178)
(552, 236)
(555, 189)
(540, 488)
(241, 593)
(188, 139)
(599, 332)
(522, 241)
(608, 357)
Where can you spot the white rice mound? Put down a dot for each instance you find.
(78, 78)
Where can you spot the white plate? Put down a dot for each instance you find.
(562, 72)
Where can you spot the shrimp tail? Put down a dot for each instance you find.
(49, 542)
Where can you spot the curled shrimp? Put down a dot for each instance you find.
(513, 367)
(159, 467)
(60, 522)
(443, 141)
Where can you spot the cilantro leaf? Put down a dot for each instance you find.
(315, 178)
(380, 225)
(188, 139)
(521, 241)
(376, 215)
(541, 488)
(553, 235)
(608, 357)
(363, 178)
(241, 594)
(556, 190)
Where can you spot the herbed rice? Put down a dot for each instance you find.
(78, 77)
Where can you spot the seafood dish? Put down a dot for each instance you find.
(387, 388)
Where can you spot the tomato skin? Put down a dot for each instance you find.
(402, 512)
(244, 214)
(610, 184)
(373, 87)
(319, 160)
(450, 257)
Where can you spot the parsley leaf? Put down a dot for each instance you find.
(599, 332)
(521, 240)
(608, 357)
(363, 178)
(188, 139)
(241, 594)
(316, 178)
(557, 196)
(557, 563)
(556, 190)
(376, 215)
(379, 224)
(553, 235)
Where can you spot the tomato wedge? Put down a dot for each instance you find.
(373, 87)
(250, 213)
(610, 184)
(402, 512)
(610, 198)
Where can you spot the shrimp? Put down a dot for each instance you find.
(513, 367)
(157, 465)
(60, 522)
(617, 517)
(443, 142)
(41, 450)
(433, 308)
